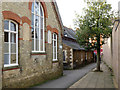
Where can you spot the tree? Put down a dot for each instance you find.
(96, 22)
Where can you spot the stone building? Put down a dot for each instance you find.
(74, 56)
(30, 40)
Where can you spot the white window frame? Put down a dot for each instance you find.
(54, 59)
(9, 32)
(49, 37)
(42, 51)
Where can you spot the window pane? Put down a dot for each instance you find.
(37, 21)
(32, 31)
(13, 48)
(54, 52)
(41, 23)
(33, 44)
(41, 12)
(54, 36)
(41, 40)
(37, 38)
(37, 33)
(6, 25)
(12, 26)
(41, 33)
(32, 19)
(6, 47)
(54, 43)
(36, 8)
(41, 44)
(33, 7)
(6, 58)
(13, 58)
(13, 38)
(6, 35)
(37, 44)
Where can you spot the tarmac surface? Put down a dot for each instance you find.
(69, 78)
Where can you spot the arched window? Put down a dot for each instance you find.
(38, 43)
(10, 43)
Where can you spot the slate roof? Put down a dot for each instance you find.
(68, 32)
(73, 45)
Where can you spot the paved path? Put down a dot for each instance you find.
(69, 77)
(96, 79)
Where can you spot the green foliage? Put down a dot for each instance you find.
(96, 21)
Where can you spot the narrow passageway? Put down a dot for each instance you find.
(69, 78)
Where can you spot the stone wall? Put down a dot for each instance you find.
(33, 68)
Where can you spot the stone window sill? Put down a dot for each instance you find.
(10, 68)
(38, 53)
(56, 61)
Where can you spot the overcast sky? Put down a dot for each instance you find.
(67, 9)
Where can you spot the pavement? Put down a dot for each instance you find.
(69, 78)
(96, 79)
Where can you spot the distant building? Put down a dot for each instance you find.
(74, 56)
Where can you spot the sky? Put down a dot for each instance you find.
(68, 8)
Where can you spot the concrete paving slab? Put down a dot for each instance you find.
(96, 80)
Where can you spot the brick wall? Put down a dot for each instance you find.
(34, 68)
